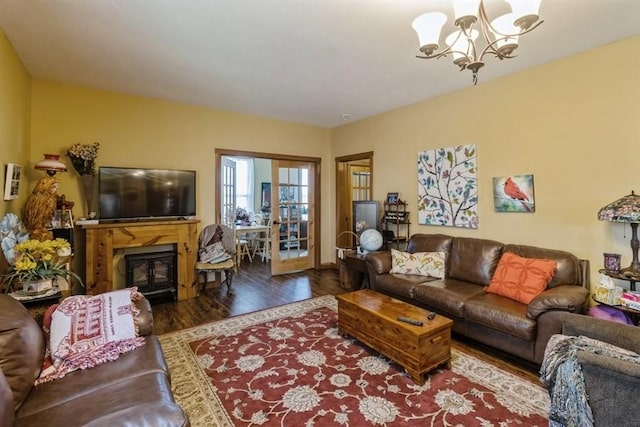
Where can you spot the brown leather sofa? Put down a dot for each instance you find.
(133, 390)
(510, 326)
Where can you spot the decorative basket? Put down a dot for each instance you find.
(342, 252)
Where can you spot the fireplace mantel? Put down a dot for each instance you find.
(103, 239)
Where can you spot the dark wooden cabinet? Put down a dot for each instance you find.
(353, 271)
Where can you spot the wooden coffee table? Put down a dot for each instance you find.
(372, 318)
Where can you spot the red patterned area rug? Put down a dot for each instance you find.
(287, 366)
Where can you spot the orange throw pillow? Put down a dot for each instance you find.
(521, 279)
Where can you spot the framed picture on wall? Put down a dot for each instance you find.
(265, 200)
(514, 193)
(12, 181)
(365, 215)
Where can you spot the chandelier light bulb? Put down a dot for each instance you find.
(525, 12)
(506, 34)
(428, 27)
(466, 13)
(462, 47)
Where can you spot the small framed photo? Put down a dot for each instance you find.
(62, 219)
(56, 221)
(12, 181)
(392, 198)
(67, 219)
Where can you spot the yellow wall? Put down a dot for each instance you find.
(574, 124)
(15, 87)
(143, 132)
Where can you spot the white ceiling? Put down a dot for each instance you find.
(307, 61)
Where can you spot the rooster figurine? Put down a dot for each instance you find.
(512, 190)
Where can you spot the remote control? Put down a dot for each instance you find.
(410, 321)
(431, 315)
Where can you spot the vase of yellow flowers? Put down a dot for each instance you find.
(83, 158)
(37, 266)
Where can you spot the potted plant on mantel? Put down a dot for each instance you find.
(83, 158)
(37, 265)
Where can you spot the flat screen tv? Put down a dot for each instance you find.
(137, 193)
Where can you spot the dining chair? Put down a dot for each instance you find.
(252, 237)
(243, 249)
(263, 244)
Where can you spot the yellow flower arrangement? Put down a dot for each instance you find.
(37, 260)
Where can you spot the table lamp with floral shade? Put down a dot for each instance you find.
(626, 209)
(83, 158)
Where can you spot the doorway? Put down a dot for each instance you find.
(293, 209)
(354, 182)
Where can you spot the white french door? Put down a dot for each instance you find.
(228, 193)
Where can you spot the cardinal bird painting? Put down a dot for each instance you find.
(513, 193)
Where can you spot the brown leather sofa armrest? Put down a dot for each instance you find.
(145, 318)
(618, 334)
(7, 411)
(379, 262)
(570, 298)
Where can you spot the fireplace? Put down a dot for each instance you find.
(153, 273)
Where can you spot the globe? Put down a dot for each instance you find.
(370, 240)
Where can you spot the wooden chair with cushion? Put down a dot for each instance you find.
(216, 253)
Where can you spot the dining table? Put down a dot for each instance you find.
(244, 232)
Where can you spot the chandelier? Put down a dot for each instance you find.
(499, 36)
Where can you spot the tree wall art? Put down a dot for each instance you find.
(448, 187)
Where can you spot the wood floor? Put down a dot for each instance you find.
(254, 288)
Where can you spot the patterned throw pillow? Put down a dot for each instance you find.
(420, 263)
(521, 279)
